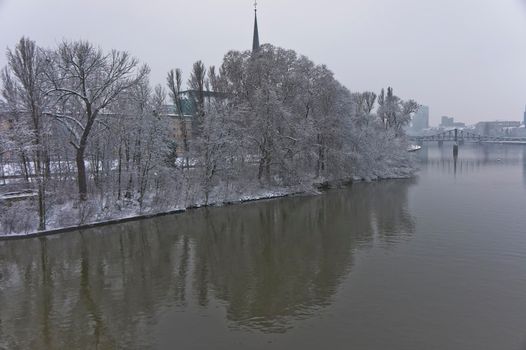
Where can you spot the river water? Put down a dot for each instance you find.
(435, 262)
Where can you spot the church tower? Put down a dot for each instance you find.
(255, 41)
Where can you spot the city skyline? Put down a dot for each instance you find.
(444, 56)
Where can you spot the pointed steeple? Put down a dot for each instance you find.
(255, 41)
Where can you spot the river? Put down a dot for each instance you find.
(434, 262)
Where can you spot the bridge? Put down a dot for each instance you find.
(457, 135)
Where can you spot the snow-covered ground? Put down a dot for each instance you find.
(68, 216)
(72, 215)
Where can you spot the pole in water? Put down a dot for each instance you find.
(455, 159)
(455, 149)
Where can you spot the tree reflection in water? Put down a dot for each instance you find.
(269, 263)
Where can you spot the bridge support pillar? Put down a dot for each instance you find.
(455, 150)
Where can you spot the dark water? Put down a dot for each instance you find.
(436, 262)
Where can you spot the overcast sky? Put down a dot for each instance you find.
(462, 58)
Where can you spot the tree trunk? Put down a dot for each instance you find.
(120, 173)
(41, 181)
(25, 168)
(81, 174)
(41, 205)
(261, 167)
(185, 142)
(267, 168)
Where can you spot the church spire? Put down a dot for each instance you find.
(255, 41)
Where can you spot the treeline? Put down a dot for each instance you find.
(94, 140)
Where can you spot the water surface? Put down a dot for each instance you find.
(435, 262)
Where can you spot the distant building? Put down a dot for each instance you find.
(6, 122)
(421, 119)
(179, 122)
(447, 122)
(6, 118)
(518, 132)
(496, 128)
(175, 119)
(524, 120)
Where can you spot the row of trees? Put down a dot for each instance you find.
(92, 137)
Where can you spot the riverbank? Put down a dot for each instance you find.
(136, 217)
(259, 194)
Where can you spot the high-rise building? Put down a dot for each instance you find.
(496, 128)
(447, 122)
(421, 119)
(524, 121)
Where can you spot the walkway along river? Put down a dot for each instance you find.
(435, 262)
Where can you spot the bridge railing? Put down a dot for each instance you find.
(463, 135)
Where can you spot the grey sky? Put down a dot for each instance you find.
(463, 58)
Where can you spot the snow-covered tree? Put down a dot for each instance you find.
(89, 119)
(394, 112)
(86, 81)
(292, 112)
(24, 90)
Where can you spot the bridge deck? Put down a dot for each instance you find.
(462, 135)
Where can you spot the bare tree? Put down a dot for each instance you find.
(174, 82)
(394, 112)
(24, 84)
(85, 81)
(197, 84)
